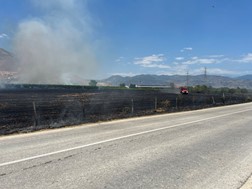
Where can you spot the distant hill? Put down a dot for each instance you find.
(179, 80)
(8, 66)
(245, 77)
(7, 61)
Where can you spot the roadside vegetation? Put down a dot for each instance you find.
(210, 90)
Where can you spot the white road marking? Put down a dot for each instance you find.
(117, 138)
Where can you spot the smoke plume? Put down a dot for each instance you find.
(57, 47)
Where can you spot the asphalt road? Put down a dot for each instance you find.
(203, 149)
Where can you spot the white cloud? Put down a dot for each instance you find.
(150, 59)
(157, 66)
(197, 60)
(247, 58)
(119, 59)
(179, 58)
(153, 61)
(175, 70)
(48, 4)
(3, 35)
(183, 69)
(186, 49)
(216, 56)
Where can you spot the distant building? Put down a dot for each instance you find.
(153, 86)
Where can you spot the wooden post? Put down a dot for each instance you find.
(176, 102)
(83, 110)
(213, 100)
(155, 103)
(223, 98)
(35, 114)
(132, 106)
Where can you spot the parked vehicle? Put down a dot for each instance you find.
(183, 90)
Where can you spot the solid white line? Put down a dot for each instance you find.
(117, 138)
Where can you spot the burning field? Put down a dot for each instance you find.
(28, 109)
(64, 45)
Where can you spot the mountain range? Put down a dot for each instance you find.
(8, 67)
(182, 80)
(8, 74)
(7, 61)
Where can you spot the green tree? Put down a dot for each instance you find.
(132, 86)
(93, 83)
(122, 85)
(224, 90)
(201, 89)
(232, 91)
(244, 90)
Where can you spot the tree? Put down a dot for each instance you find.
(201, 89)
(244, 90)
(122, 85)
(172, 85)
(93, 83)
(232, 91)
(132, 86)
(224, 90)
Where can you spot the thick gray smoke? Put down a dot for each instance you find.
(57, 48)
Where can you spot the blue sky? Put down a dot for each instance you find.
(130, 37)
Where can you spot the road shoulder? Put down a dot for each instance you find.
(247, 184)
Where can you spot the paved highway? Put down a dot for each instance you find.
(209, 148)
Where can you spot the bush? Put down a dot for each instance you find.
(132, 86)
(93, 83)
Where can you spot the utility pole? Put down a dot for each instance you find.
(187, 78)
(205, 76)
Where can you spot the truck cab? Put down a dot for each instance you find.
(183, 90)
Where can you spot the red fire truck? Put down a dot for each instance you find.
(183, 90)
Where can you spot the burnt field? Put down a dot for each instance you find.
(24, 110)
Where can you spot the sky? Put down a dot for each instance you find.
(131, 37)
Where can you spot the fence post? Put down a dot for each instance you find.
(155, 103)
(35, 114)
(176, 102)
(223, 98)
(213, 100)
(83, 110)
(132, 106)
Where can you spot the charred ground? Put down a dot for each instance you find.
(24, 109)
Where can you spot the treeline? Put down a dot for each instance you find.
(210, 90)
